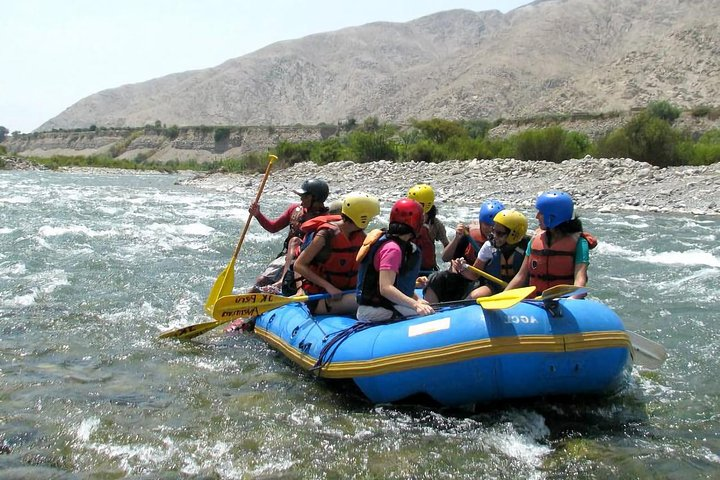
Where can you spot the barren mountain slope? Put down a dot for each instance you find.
(550, 56)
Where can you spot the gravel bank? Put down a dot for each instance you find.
(603, 184)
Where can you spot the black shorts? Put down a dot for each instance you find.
(449, 286)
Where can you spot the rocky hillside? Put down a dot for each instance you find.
(557, 56)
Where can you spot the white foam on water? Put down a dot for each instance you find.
(6, 230)
(522, 446)
(702, 282)
(86, 428)
(43, 283)
(49, 231)
(6, 271)
(612, 249)
(17, 199)
(622, 223)
(144, 456)
(109, 210)
(689, 258)
(198, 229)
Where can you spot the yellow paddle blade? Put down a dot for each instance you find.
(560, 291)
(191, 331)
(505, 299)
(230, 307)
(222, 286)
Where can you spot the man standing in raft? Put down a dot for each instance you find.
(389, 266)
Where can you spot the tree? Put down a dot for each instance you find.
(439, 130)
(3, 133)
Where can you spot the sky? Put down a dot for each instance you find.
(56, 52)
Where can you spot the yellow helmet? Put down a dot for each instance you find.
(514, 221)
(360, 208)
(424, 195)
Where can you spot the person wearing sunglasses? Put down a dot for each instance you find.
(503, 254)
(450, 285)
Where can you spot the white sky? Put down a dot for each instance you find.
(56, 52)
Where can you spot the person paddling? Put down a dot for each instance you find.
(328, 263)
(313, 194)
(389, 266)
(559, 250)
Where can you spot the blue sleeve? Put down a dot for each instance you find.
(528, 250)
(582, 252)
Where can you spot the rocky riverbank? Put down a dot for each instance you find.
(602, 184)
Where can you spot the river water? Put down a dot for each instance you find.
(94, 266)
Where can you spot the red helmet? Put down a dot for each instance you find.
(408, 212)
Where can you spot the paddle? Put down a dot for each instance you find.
(230, 307)
(645, 352)
(226, 280)
(498, 301)
(493, 279)
(560, 291)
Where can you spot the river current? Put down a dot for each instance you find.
(93, 266)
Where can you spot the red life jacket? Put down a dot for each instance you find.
(554, 264)
(336, 262)
(471, 253)
(427, 248)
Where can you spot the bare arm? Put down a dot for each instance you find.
(581, 274)
(391, 292)
(302, 265)
(449, 250)
(521, 277)
(441, 233)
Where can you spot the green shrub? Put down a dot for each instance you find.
(3, 150)
(291, 153)
(328, 151)
(171, 132)
(663, 110)
(466, 148)
(700, 111)
(425, 151)
(371, 146)
(552, 144)
(477, 128)
(221, 134)
(439, 130)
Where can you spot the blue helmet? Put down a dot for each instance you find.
(557, 207)
(489, 209)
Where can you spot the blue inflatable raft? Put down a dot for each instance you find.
(461, 355)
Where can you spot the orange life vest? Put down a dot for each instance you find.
(336, 262)
(551, 265)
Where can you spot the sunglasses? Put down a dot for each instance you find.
(503, 233)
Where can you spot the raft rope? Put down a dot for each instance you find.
(327, 353)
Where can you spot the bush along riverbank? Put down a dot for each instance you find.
(660, 135)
